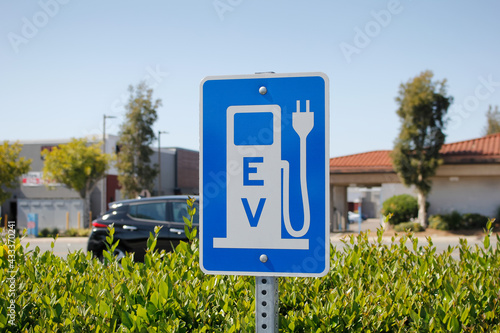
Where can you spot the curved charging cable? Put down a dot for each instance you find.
(303, 123)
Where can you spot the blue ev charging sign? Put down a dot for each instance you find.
(264, 175)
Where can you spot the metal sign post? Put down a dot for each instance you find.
(265, 181)
(266, 304)
(360, 217)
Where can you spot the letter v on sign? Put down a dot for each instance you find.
(253, 219)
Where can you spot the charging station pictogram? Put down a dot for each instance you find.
(264, 175)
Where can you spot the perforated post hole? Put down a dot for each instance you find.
(266, 304)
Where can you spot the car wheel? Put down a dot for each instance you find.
(119, 253)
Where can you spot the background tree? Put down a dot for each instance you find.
(78, 165)
(135, 172)
(423, 104)
(11, 168)
(493, 121)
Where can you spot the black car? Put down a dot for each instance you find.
(135, 219)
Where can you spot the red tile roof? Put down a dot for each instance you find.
(374, 161)
(481, 150)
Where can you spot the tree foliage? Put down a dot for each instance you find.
(423, 104)
(493, 121)
(135, 172)
(403, 208)
(78, 165)
(11, 168)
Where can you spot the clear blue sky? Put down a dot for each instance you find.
(65, 63)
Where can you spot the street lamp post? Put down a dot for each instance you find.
(159, 161)
(103, 190)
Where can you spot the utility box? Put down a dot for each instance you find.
(33, 224)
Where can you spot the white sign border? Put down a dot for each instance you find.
(270, 75)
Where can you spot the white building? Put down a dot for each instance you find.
(467, 182)
(61, 207)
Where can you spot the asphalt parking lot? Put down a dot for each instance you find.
(65, 245)
(440, 240)
(62, 246)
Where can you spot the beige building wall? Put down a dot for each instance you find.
(465, 188)
(465, 195)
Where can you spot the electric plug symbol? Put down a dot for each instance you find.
(303, 122)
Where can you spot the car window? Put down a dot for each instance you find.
(151, 211)
(117, 209)
(179, 209)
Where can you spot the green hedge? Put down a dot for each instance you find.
(457, 221)
(409, 226)
(371, 287)
(403, 208)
